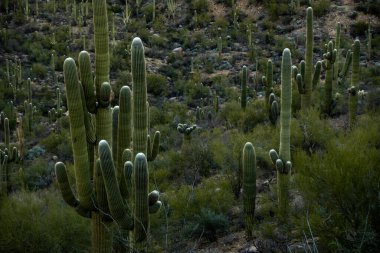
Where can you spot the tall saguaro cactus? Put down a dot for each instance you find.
(353, 90)
(282, 160)
(249, 185)
(244, 78)
(328, 65)
(308, 79)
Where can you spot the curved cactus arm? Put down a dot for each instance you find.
(66, 191)
(125, 126)
(118, 210)
(104, 115)
(274, 112)
(154, 203)
(148, 150)
(249, 185)
(87, 80)
(78, 134)
(155, 146)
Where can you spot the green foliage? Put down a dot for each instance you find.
(340, 188)
(201, 6)
(39, 70)
(321, 7)
(208, 224)
(58, 143)
(43, 222)
(214, 194)
(157, 84)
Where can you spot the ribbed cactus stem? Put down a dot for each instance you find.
(353, 98)
(124, 134)
(29, 88)
(328, 64)
(78, 134)
(282, 161)
(140, 117)
(244, 77)
(7, 135)
(119, 211)
(101, 37)
(306, 98)
(286, 105)
(249, 186)
(87, 80)
(268, 82)
(337, 61)
(141, 180)
(355, 63)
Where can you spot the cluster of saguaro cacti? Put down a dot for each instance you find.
(244, 79)
(112, 187)
(186, 130)
(353, 90)
(249, 186)
(308, 77)
(9, 154)
(328, 64)
(90, 117)
(282, 160)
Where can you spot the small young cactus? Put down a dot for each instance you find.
(186, 130)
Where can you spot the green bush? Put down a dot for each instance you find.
(157, 84)
(214, 194)
(39, 70)
(41, 222)
(321, 7)
(340, 187)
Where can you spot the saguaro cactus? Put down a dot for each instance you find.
(328, 65)
(308, 79)
(103, 197)
(244, 78)
(353, 98)
(282, 160)
(268, 82)
(337, 61)
(249, 185)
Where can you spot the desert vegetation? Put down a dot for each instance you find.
(189, 126)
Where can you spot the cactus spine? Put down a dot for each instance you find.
(244, 77)
(249, 185)
(353, 90)
(282, 160)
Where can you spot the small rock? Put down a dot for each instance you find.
(178, 50)
(252, 249)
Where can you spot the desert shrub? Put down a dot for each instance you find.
(39, 70)
(213, 193)
(208, 224)
(359, 28)
(195, 91)
(55, 143)
(157, 116)
(41, 222)
(341, 187)
(312, 132)
(38, 175)
(321, 7)
(255, 113)
(157, 84)
(200, 6)
(34, 152)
